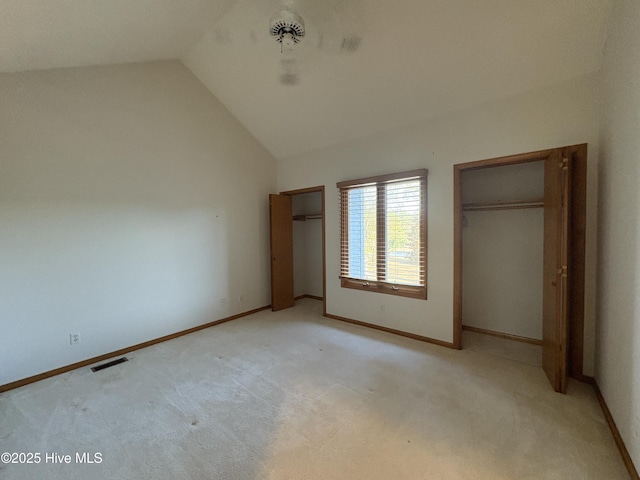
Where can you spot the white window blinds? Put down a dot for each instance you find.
(383, 233)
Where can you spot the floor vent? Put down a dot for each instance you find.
(109, 364)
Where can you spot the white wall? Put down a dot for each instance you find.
(313, 242)
(618, 338)
(502, 256)
(132, 205)
(552, 117)
(502, 253)
(313, 245)
(307, 246)
(299, 258)
(298, 205)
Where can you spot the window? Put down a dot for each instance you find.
(383, 234)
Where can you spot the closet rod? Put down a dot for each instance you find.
(303, 218)
(503, 205)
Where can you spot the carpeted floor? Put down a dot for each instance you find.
(293, 395)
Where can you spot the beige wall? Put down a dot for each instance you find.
(502, 251)
(618, 332)
(307, 246)
(552, 117)
(121, 212)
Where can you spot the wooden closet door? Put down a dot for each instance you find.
(281, 221)
(557, 202)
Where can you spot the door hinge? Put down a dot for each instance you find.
(564, 164)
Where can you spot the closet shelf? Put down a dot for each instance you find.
(304, 218)
(537, 203)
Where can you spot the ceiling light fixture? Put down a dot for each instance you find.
(287, 28)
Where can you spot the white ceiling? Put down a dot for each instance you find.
(38, 34)
(417, 58)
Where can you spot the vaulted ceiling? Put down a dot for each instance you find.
(364, 66)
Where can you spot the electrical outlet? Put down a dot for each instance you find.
(74, 338)
(223, 301)
(382, 307)
(241, 298)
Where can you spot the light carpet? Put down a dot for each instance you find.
(293, 395)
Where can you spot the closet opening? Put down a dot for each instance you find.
(502, 251)
(519, 256)
(297, 247)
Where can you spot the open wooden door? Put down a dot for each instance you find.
(556, 291)
(281, 214)
(565, 193)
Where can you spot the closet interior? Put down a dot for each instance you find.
(307, 245)
(502, 252)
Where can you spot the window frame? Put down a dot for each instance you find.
(380, 285)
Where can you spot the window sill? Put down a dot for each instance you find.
(384, 287)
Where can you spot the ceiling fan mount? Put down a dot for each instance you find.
(287, 28)
(328, 27)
